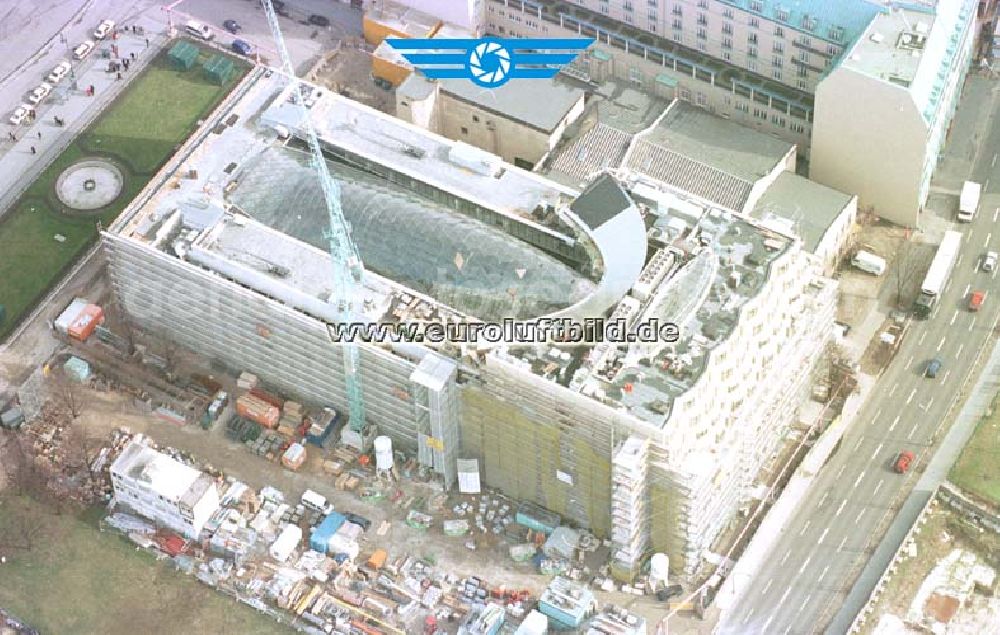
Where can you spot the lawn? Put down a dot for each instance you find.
(977, 470)
(81, 580)
(139, 132)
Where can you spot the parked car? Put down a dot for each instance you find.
(241, 47)
(976, 300)
(83, 50)
(61, 70)
(360, 521)
(21, 114)
(903, 461)
(933, 368)
(279, 7)
(39, 93)
(990, 261)
(104, 29)
(319, 20)
(232, 26)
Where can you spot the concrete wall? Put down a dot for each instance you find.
(870, 140)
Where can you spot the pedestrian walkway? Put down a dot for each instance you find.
(39, 143)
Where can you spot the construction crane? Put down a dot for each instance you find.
(348, 270)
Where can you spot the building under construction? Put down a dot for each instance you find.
(654, 444)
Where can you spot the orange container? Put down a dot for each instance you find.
(89, 319)
(254, 409)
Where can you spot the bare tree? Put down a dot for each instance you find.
(903, 272)
(23, 526)
(67, 392)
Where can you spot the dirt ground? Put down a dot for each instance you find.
(350, 73)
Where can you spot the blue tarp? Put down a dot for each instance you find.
(319, 540)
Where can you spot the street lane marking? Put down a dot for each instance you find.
(842, 468)
(941, 344)
(988, 236)
(858, 480)
(921, 340)
(805, 563)
(823, 500)
(959, 261)
(913, 431)
(787, 553)
(823, 536)
(841, 508)
(966, 292)
(841, 545)
(749, 614)
(767, 586)
(785, 594)
(805, 527)
(953, 318)
(801, 606)
(948, 372)
(928, 406)
(858, 444)
(993, 163)
(894, 387)
(994, 274)
(877, 415)
(823, 575)
(894, 422)
(877, 487)
(996, 213)
(860, 514)
(877, 450)
(973, 323)
(958, 353)
(909, 361)
(769, 620)
(910, 398)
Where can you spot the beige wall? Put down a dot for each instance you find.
(869, 140)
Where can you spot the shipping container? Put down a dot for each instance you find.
(377, 560)
(85, 322)
(267, 397)
(255, 409)
(320, 538)
(69, 315)
(294, 456)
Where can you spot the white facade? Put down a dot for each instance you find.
(163, 489)
(883, 114)
(467, 14)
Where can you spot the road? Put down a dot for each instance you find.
(814, 563)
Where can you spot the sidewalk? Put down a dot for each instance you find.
(18, 166)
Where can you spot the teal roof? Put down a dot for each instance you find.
(851, 16)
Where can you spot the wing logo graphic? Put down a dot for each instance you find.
(489, 62)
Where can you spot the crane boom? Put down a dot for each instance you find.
(348, 270)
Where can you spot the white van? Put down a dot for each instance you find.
(867, 261)
(314, 500)
(83, 50)
(198, 29)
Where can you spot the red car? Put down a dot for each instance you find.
(903, 461)
(976, 300)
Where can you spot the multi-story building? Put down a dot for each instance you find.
(784, 68)
(163, 489)
(882, 115)
(740, 311)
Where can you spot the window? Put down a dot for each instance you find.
(801, 84)
(702, 46)
(702, 4)
(779, 32)
(804, 41)
(804, 56)
(760, 113)
(701, 99)
(702, 19)
(797, 127)
(808, 23)
(751, 51)
(754, 23)
(702, 34)
(831, 49)
(727, 13)
(727, 28)
(742, 106)
(627, 6)
(779, 47)
(465, 130)
(752, 66)
(652, 15)
(776, 73)
(677, 25)
(685, 94)
(727, 43)
(752, 38)
(756, 5)
(726, 55)
(677, 9)
(782, 14)
(475, 118)
(652, 3)
(777, 61)
(778, 121)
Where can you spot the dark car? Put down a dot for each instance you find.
(319, 20)
(933, 368)
(241, 47)
(360, 521)
(232, 26)
(279, 7)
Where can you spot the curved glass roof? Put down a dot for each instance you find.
(469, 265)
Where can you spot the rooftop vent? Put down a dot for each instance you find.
(878, 38)
(912, 41)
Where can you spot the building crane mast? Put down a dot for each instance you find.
(348, 270)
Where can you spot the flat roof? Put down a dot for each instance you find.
(541, 104)
(810, 207)
(162, 474)
(403, 19)
(881, 51)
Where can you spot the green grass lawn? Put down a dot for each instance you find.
(80, 580)
(140, 131)
(977, 470)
